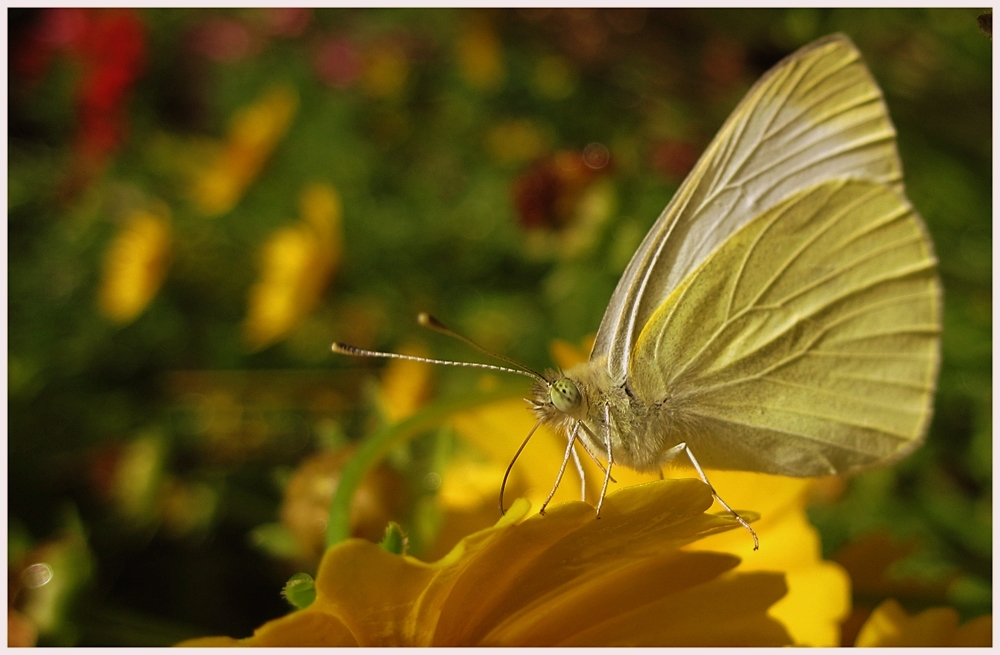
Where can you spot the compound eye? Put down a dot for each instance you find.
(564, 395)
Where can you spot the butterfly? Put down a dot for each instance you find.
(783, 314)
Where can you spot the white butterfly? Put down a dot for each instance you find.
(783, 313)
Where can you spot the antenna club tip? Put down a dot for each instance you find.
(426, 320)
(340, 348)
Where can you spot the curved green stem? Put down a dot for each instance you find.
(374, 448)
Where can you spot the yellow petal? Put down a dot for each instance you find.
(564, 560)
(742, 599)
(890, 625)
(373, 592)
(296, 264)
(562, 578)
(254, 131)
(135, 264)
(819, 593)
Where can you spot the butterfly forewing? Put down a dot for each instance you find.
(816, 116)
(807, 344)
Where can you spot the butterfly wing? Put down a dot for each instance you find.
(818, 115)
(807, 343)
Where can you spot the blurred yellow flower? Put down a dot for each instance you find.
(890, 625)
(296, 264)
(135, 264)
(406, 385)
(254, 131)
(517, 141)
(306, 506)
(386, 70)
(567, 355)
(564, 579)
(480, 54)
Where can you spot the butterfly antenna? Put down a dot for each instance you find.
(428, 321)
(503, 485)
(346, 349)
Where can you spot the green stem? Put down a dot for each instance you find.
(377, 446)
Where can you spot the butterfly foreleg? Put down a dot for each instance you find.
(583, 476)
(611, 459)
(704, 478)
(591, 452)
(562, 469)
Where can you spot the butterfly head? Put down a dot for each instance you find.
(564, 395)
(560, 397)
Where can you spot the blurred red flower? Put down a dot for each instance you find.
(109, 46)
(547, 194)
(674, 158)
(339, 62)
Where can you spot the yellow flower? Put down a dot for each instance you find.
(818, 591)
(296, 262)
(480, 55)
(135, 264)
(890, 625)
(564, 579)
(819, 596)
(254, 131)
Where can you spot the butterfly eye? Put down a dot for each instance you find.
(564, 395)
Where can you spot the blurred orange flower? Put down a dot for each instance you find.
(254, 131)
(135, 264)
(890, 625)
(564, 579)
(296, 264)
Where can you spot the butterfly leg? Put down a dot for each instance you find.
(611, 460)
(590, 452)
(583, 476)
(562, 469)
(701, 474)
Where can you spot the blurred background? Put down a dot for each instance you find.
(201, 201)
